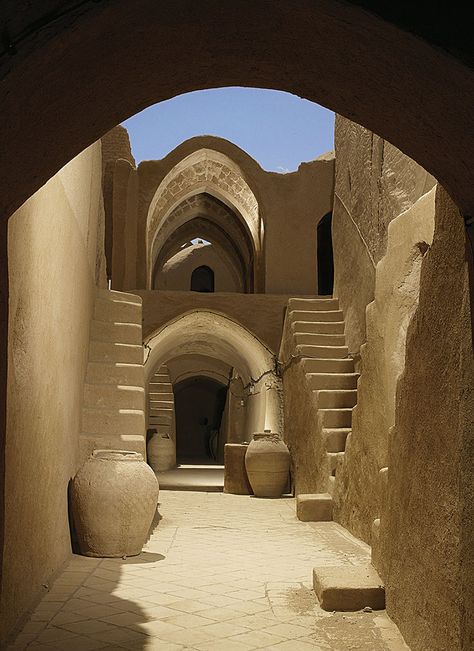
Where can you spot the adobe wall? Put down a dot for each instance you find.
(291, 206)
(374, 182)
(177, 271)
(261, 314)
(357, 494)
(56, 259)
(427, 523)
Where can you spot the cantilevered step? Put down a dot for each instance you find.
(334, 459)
(100, 351)
(322, 352)
(124, 333)
(326, 315)
(319, 327)
(158, 387)
(320, 365)
(332, 380)
(335, 438)
(313, 304)
(335, 398)
(110, 373)
(111, 395)
(160, 397)
(318, 339)
(117, 311)
(332, 418)
(113, 421)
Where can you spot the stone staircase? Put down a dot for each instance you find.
(161, 402)
(113, 413)
(314, 334)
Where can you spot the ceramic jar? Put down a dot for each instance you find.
(114, 498)
(161, 452)
(267, 461)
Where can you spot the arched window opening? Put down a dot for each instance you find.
(199, 406)
(325, 256)
(202, 279)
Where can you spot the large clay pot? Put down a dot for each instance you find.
(114, 497)
(267, 461)
(161, 452)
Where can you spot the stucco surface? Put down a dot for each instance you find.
(428, 523)
(374, 182)
(397, 281)
(262, 314)
(177, 271)
(55, 261)
(282, 223)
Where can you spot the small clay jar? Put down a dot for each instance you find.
(267, 462)
(113, 498)
(161, 452)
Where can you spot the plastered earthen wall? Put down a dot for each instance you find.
(428, 521)
(374, 183)
(290, 205)
(56, 260)
(261, 314)
(177, 271)
(397, 283)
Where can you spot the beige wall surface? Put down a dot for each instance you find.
(177, 271)
(428, 522)
(374, 183)
(262, 314)
(56, 259)
(291, 206)
(397, 287)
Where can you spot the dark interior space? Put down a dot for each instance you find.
(199, 405)
(325, 256)
(202, 279)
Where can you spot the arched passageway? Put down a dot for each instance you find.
(199, 407)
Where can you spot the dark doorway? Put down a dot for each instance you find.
(202, 279)
(325, 257)
(199, 405)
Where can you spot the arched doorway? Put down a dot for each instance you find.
(199, 406)
(202, 279)
(325, 256)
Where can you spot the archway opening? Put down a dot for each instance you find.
(325, 256)
(199, 407)
(202, 279)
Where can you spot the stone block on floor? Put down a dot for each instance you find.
(236, 480)
(314, 507)
(348, 587)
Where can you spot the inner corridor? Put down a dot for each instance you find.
(220, 572)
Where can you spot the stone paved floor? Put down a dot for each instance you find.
(221, 572)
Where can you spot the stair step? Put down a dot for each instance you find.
(319, 365)
(158, 387)
(156, 405)
(111, 395)
(320, 327)
(316, 507)
(332, 418)
(153, 397)
(313, 304)
(317, 339)
(332, 380)
(304, 315)
(113, 421)
(348, 587)
(322, 352)
(117, 311)
(335, 399)
(115, 295)
(101, 351)
(110, 373)
(123, 333)
(335, 438)
(334, 458)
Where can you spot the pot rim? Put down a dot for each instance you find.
(116, 455)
